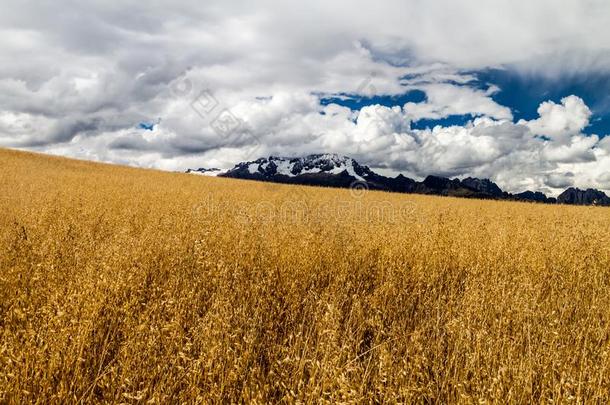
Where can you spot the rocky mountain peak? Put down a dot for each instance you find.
(577, 196)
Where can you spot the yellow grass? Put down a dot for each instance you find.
(127, 285)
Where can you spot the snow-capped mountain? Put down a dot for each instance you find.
(329, 164)
(213, 172)
(329, 170)
(332, 170)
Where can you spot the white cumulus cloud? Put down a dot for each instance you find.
(561, 121)
(76, 78)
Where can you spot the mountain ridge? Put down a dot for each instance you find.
(334, 170)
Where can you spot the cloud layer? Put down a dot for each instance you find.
(239, 80)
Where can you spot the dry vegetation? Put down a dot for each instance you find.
(126, 285)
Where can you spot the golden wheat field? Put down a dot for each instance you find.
(121, 285)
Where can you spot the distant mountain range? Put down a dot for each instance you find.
(205, 172)
(331, 170)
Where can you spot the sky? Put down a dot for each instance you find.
(514, 91)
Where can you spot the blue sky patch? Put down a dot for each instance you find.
(355, 102)
(452, 120)
(524, 93)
